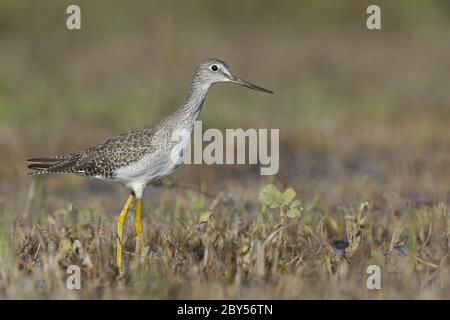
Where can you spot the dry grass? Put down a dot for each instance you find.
(243, 250)
(363, 117)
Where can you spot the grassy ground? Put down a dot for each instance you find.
(365, 145)
(241, 251)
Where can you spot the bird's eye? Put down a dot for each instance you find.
(214, 67)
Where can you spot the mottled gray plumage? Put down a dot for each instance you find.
(141, 156)
(103, 159)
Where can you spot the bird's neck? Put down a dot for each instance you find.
(193, 104)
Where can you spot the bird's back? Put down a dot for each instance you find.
(103, 159)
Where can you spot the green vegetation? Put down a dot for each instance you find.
(233, 252)
(365, 149)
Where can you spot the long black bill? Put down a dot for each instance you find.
(249, 85)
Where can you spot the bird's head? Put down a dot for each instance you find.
(213, 71)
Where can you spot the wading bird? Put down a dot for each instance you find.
(141, 156)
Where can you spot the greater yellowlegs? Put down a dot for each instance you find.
(141, 156)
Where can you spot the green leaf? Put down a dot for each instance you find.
(295, 204)
(65, 245)
(288, 196)
(205, 217)
(271, 196)
(294, 213)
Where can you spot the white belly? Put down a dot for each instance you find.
(153, 166)
(137, 175)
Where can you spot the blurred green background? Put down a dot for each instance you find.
(356, 108)
(363, 116)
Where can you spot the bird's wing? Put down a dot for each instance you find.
(104, 159)
(101, 160)
(52, 164)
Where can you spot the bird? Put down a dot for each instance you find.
(141, 156)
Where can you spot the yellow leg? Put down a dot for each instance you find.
(140, 243)
(120, 223)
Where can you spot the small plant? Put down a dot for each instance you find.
(273, 198)
(205, 217)
(355, 225)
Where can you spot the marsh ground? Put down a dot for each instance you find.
(363, 117)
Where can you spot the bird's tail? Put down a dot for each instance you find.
(55, 164)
